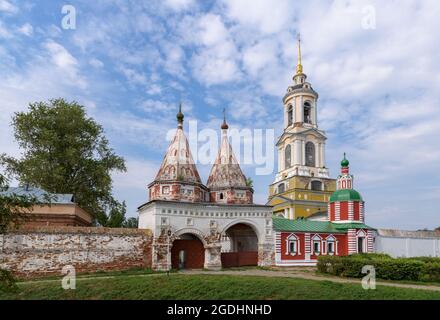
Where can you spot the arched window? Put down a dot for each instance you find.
(361, 241)
(290, 116)
(316, 185)
(293, 245)
(331, 245)
(281, 188)
(310, 154)
(307, 112)
(316, 245)
(221, 196)
(287, 157)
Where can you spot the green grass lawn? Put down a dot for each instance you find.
(217, 287)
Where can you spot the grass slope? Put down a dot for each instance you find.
(217, 287)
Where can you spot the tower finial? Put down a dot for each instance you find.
(299, 67)
(180, 115)
(344, 162)
(224, 125)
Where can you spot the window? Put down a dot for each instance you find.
(287, 156)
(316, 247)
(361, 244)
(331, 245)
(331, 248)
(290, 116)
(316, 185)
(220, 196)
(307, 112)
(166, 190)
(293, 245)
(281, 188)
(310, 154)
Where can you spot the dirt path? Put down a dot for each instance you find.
(305, 275)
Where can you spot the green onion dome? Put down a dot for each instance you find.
(344, 162)
(345, 195)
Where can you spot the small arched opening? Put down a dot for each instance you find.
(310, 154)
(289, 115)
(239, 246)
(187, 252)
(307, 112)
(287, 157)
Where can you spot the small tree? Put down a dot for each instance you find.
(249, 182)
(131, 223)
(13, 210)
(65, 151)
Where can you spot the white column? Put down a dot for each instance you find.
(303, 153)
(279, 160)
(297, 152)
(323, 154)
(292, 214)
(282, 160)
(315, 113)
(286, 116)
(301, 108)
(319, 156)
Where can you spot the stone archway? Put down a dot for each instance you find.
(239, 245)
(187, 252)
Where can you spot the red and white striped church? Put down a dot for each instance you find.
(341, 232)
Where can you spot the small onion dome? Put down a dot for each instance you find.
(345, 195)
(344, 162)
(180, 114)
(224, 124)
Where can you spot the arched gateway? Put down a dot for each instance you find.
(210, 226)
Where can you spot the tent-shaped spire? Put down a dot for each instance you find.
(226, 171)
(178, 163)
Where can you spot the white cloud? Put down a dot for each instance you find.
(215, 61)
(96, 63)
(179, 5)
(263, 15)
(65, 62)
(4, 33)
(60, 56)
(26, 29)
(261, 55)
(6, 6)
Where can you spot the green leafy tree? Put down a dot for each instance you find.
(116, 216)
(14, 209)
(249, 182)
(65, 151)
(131, 223)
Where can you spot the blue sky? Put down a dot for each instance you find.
(131, 62)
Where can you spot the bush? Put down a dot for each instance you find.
(431, 272)
(388, 268)
(7, 281)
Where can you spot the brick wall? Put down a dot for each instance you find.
(34, 251)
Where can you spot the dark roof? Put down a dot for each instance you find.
(304, 225)
(41, 195)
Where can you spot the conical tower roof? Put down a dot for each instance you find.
(226, 171)
(178, 163)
